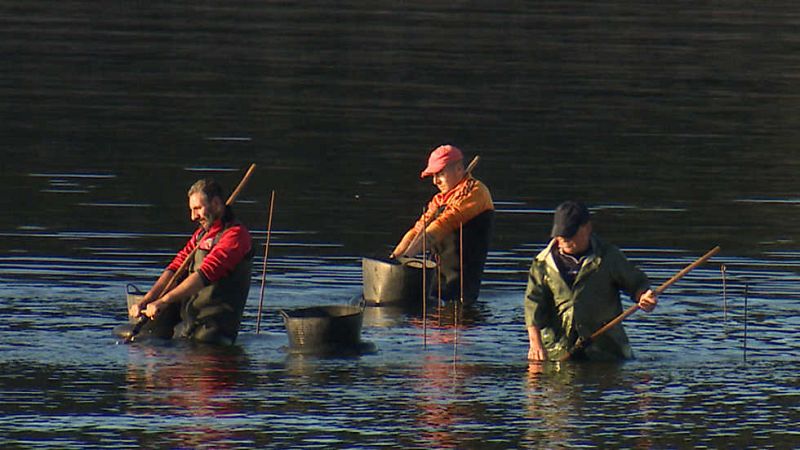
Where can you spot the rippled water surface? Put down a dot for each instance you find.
(677, 124)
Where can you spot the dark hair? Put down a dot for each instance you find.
(209, 187)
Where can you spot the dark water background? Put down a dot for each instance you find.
(676, 122)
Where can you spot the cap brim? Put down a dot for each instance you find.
(431, 170)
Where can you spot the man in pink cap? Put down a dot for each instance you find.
(462, 201)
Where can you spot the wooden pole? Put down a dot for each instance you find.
(439, 286)
(424, 289)
(461, 288)
(581, 344)
(744, 341)
(461, 261)
(723, 269)
(264, 265)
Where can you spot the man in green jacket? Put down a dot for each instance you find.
(573, 290)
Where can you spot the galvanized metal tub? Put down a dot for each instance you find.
(396, 282)
(322, 328)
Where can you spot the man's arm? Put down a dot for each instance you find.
(414, 247)
(411, 243)
(402, 247)
(633, 280)
(538, 309)
(188, 287)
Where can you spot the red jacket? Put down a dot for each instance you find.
(234, 244)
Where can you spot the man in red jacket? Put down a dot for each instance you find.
(207, 305)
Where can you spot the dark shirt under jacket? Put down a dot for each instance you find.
(569, 265)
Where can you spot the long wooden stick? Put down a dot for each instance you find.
(461, 261)
(460, 288)
(137, 327)
(582, 344)
(264, 267)
(424, 290)
(472, 165)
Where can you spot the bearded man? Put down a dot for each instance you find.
(207, 305)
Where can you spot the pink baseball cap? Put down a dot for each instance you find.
(440, 157)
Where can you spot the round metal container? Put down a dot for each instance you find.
(396, 283)
(323, 327)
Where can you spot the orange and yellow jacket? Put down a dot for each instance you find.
(447, 211)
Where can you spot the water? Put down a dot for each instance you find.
(673, 122)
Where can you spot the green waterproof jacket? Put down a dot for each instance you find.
(564, 313)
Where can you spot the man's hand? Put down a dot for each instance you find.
(536, 351)
(135, 311)
(648, 300)
(155, 308)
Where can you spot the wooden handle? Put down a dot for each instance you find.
(635, 307)
(687, 269)
(241, 185)
(472, 164)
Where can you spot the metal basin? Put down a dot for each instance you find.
(324, 327)
(396, 283)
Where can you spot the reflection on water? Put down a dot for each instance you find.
(675, 123)
(197, 384)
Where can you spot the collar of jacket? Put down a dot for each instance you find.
(589, 266)
(443, 197)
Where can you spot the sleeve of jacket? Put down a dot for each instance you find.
(539, 306)
(419, 224)
(627, 276)
(232, 247)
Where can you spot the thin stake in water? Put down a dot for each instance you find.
(744, 351)
(461, 288)
(439, 287)
(724, 296)
(424, 286)
(264, 268)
